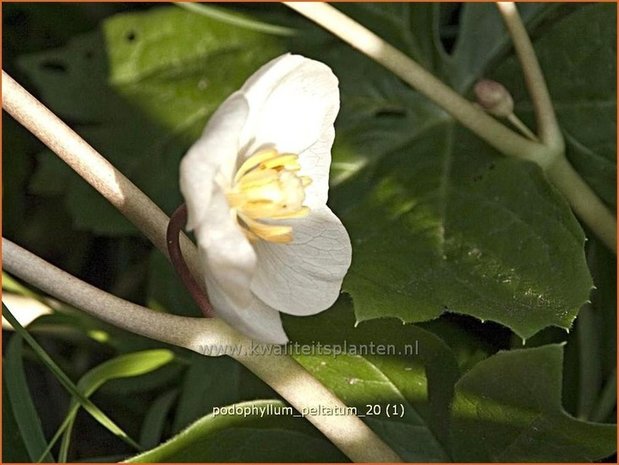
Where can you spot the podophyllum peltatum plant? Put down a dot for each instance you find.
(405, 243)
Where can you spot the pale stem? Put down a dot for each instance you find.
(549, 155)
(207, 336)
(547, 126)
(93, 167)
(584, 201)
(486, 127)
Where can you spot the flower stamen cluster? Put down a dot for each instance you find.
(267, 187)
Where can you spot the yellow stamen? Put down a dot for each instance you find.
(266, 186)
(268, 232)
(254, 160)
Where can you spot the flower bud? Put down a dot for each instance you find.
(494, 98)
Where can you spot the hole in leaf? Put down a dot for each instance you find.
(391, 111)
(54, 66)
(88, 55)
(131, 36)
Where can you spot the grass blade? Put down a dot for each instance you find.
(25, 413)
(124, 366)
(91, 408)
(235, 19)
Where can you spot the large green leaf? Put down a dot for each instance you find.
(439, 220)
(147, 83)
(380, 366)
(508, 409)
(246, 437)
(446, 225)
(578, 55)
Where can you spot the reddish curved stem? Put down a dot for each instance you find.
(175, 226)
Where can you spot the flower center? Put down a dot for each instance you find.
(267, 187)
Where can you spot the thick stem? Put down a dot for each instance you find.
(548, 127)
(496, 134)
(164, 327)
(207, 337)
(584, 201)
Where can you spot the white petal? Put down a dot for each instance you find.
(293, 100)
(315, 163)
(256, 319)
(227, 256)
(213, 154)
(304, 277)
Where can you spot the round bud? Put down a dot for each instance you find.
(494, 98)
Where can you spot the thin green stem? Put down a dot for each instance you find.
(237, 20)
(588, 361)
(607, 402)
(548, 127)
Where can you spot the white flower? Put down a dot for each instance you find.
(256, 185)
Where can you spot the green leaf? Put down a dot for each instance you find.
(208, 382)
(123, 366)
(385, 364)
(578, 55)
(508, 409)
(439, 220)
(21, 405)
(151, 79)
(446, 225)
(246, 438)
